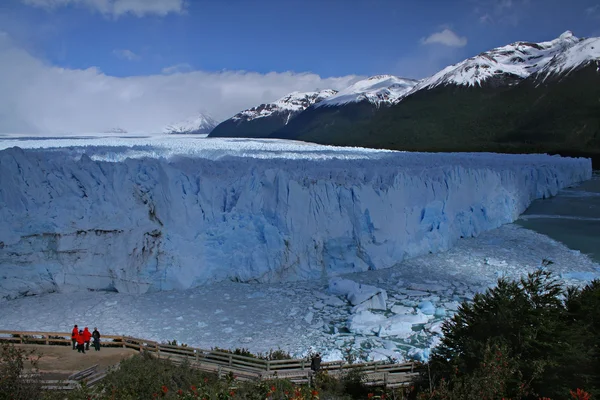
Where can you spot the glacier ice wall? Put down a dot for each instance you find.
(70, 221)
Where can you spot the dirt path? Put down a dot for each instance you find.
(63, 361)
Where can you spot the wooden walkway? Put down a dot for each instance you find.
(383, 374)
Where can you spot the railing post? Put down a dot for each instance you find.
(47, 343)
(268, 365)
(385, 379)
(157, 350)
(303, 362)
(123, 341)
(230, 360)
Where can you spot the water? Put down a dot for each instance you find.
(572, 217)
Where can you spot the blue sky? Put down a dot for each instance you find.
(208, 39)
(327, 37)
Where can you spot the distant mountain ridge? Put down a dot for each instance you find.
(378, 90)
(199, 124)
(522, 97)
(502, 65)
(262, 120)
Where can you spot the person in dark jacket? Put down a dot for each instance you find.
(96, 338)
(87, 335)
(315, 363)
(74, 334)
(80, 342)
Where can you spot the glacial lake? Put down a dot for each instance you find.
(572, 217)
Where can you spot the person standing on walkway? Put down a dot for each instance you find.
(74, 334)
(87, 335)
(80, 343)
(96, 337)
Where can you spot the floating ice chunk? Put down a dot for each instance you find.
(428, 287)
(319, 305)
(427, 307)
(365, 322)
(401, 324)
(334, 301)
(580, 276)
(435, 327)
(419, 354)
(308, 317)
(385, 355)
(440, 312)
(397, 309)
(357, 293)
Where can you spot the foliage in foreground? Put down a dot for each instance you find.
(524, 339)
(15, 382)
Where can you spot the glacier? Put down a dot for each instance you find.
(143, 215)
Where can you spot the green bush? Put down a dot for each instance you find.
(549, 337)
(15, 382)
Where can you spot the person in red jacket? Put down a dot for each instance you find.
(74, 334)
(80, 342)
(87, 335)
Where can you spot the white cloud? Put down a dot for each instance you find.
(177, 68)
(593, 12)
(447, 38)
(116, 8)
(503, 12)
(37, 98)
(126, 54)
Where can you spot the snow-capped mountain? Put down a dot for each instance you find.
(378, 90)
(580, 54)
(506, 64)
(202, 123)
(290, 104)
(265, 119)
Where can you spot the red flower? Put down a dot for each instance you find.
(180, 392)
(273, 388)
(370, 395)
(580, 395)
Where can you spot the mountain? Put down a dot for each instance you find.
(264, 119)
(501, 66)
(523, 97)
(378, 90)
(202, 123)
(351, 106)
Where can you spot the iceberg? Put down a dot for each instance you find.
(147, 217)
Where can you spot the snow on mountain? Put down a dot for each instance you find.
(202, 123)
(135, 217)
(513, 62)
(379, 89)
(579, 55)
(290, 104)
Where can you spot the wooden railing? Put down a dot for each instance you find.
(222, 363)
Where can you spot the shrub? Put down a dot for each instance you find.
(15, 382)
(549, 336)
